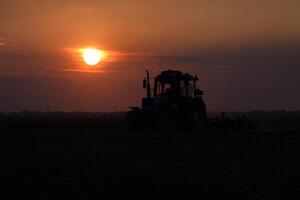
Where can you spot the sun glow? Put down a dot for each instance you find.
(92, 56)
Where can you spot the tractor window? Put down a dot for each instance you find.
(191, 89)
(187, 88)
(182, 89)
(163, 88)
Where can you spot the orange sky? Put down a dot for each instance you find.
(241, 50)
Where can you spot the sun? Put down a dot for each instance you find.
(91, 56)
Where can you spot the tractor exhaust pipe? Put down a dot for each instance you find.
(148, 85)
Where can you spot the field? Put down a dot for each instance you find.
(84, 158)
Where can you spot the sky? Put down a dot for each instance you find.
(246, 52)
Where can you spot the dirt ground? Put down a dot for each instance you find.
(80, 162)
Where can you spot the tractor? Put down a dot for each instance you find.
(174, 103)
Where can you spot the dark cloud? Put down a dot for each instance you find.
(260, 54)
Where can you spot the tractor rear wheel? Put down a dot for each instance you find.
(199, 121)
(166, 121)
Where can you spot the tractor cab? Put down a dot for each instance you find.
(172, 88)
(175, 83)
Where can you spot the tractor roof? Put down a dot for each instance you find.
(169, 75)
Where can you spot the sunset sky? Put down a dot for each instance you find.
(245, 52)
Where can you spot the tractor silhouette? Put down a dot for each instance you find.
(175, 103)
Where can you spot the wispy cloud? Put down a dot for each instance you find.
(84, 70)
(2, 42)
(29, 74)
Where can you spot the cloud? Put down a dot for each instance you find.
(259, 54)
(2, 42)
(4, 73)
(84, 70)
(5, 42)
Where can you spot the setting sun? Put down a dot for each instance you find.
(92, 56)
